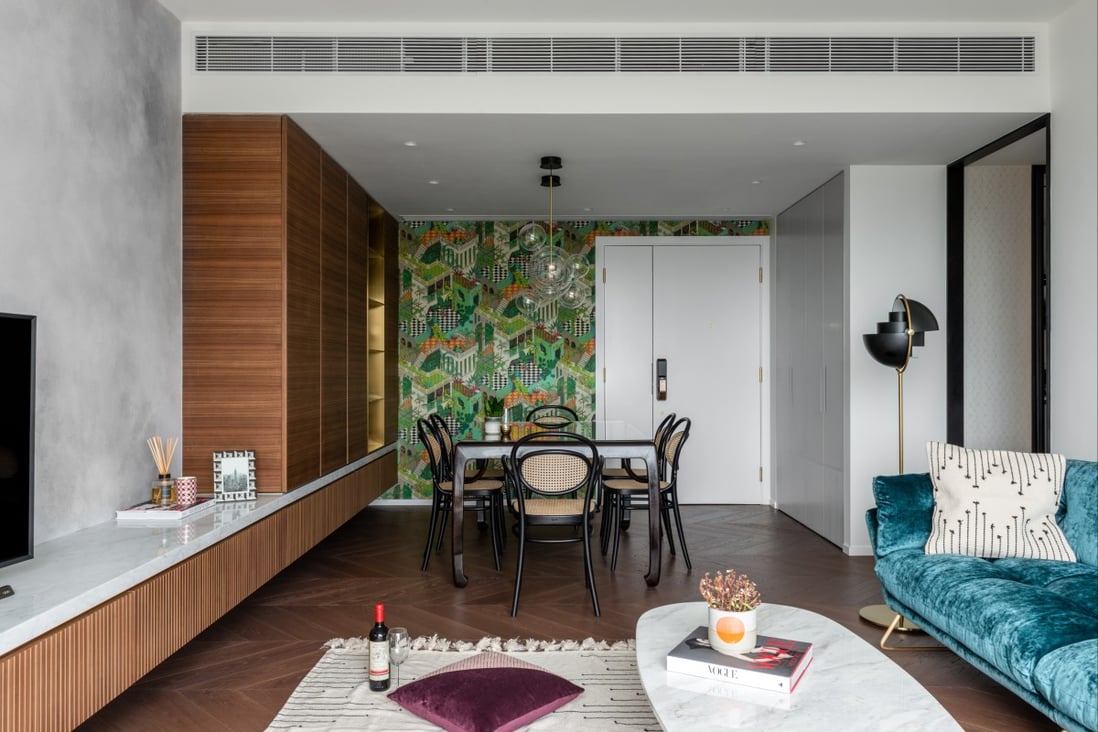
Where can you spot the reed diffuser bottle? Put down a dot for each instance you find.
(163, 489)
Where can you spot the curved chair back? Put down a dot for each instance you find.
(445, 439)
(436, 455)
(554, 464)
(552, 415)
(673, 443)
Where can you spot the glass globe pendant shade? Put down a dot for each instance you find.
(579, 266)
(577, 298)
(528, 303)
(532, 237)
(549, 271)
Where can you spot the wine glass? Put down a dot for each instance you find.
(400, 645)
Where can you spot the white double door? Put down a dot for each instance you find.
(697, 306)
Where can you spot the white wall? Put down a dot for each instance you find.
(90, 242)
(1074, 232)
(896, 233)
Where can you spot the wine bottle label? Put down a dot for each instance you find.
(379, 660)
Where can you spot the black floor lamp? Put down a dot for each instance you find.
(891, 345)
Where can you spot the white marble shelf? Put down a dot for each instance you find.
(74, 573)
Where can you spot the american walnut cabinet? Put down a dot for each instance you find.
(289, 305)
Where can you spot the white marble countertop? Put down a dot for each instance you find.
(73, 574)
(849, 686)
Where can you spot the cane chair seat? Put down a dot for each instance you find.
(628, 484)
(566, 507)
(469, 489)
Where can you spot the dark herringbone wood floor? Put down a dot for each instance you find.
(237, 674)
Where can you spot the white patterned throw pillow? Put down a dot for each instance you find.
(996, 503)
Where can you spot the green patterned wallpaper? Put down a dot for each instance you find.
(461, 335)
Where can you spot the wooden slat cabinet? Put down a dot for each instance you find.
(333, 319)
(283, 318)
(301, 257)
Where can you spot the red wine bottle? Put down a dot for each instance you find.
(379, 651)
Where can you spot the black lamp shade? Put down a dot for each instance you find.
(888, 345)
(922, 319)
(889, 349)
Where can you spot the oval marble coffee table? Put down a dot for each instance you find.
(851, 685)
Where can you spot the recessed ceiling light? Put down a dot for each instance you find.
(409, 143)
(587, 209)
(756, 182)
(433, 182)
(799, 143)
(450, 210)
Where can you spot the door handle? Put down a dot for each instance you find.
(661, 379)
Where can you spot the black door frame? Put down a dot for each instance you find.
(1040, 289)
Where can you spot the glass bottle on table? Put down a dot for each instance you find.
(379, 651)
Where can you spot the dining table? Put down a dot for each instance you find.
(615, 440)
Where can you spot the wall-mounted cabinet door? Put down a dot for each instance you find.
(358, 203)
(302, 166)
(809, 346)
(333, 320)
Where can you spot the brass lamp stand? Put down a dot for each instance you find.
(891, 345)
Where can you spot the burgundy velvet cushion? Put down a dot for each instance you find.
(487, 692)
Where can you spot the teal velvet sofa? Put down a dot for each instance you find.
(1030, 624)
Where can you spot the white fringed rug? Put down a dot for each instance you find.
(335, 694)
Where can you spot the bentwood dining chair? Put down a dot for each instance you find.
(472, 472)
(554, 476)
(552, 415)
(484, 496)
(634, 471)
(625, 494)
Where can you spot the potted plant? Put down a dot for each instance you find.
(733, 601)
(493, 412)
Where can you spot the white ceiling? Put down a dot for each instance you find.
(626, 166)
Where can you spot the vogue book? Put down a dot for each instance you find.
(774, 664)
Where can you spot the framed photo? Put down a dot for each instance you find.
(234, 475)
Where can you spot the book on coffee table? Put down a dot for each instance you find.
(775, 664)
(150, 511)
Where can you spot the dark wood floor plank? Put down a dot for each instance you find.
(238, 673)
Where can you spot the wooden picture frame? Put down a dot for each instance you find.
(234, 475)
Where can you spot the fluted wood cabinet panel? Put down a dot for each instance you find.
(232, 292)
(333, 321)
(63, 677)
(302, 171)
(358, 203)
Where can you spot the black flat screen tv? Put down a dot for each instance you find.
(16, 438)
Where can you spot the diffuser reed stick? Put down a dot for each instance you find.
(162, 453)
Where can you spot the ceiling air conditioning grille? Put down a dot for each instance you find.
(671, 54)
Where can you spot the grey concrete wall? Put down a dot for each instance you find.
(90, 221)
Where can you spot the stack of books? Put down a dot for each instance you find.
(150, 511)
(774, 664)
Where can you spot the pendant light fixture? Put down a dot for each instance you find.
(553, 275)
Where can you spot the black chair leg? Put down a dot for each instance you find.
(446, 508)
(618, 518)
(590, 569)
(430, 534)
(665, 518)
(518, 569)
(493, 526)
(682, 537)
